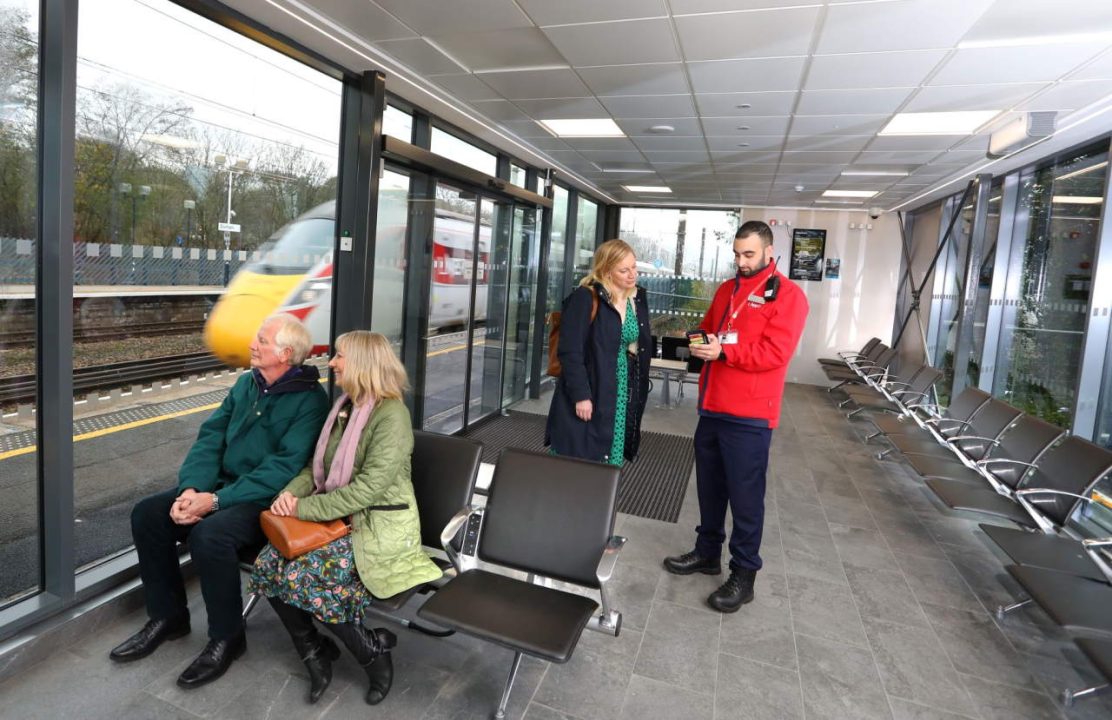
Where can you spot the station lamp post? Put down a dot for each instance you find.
(144, 191)
(237, 168)
(188, 205)
(123, 189)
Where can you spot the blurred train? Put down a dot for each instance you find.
(294, 274)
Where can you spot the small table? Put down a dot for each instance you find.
(671, 370)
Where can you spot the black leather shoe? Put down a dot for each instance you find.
(213, 661)
(692, 562)
(147, 640)
(318, 661)
(735, 592)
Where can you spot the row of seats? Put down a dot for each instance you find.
(984, 456)
(546, 518)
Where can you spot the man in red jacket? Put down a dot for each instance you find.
(752, 327)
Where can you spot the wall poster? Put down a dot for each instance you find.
(808, 250)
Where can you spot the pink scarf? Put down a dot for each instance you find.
(343, 461)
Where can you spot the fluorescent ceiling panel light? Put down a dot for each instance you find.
(964, 122)
(648, 188)
(1082, 171)
(582, 127)
(624, 170)
(1070, 39)
(838, 202)
(1077, 200)
(850, 193)
(875, 173)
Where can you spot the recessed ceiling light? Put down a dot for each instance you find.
(743, 144)
(743, 127)
(875, 173)
(744, 106)
(850, 193)
(662, 129)
(582, 127)
(648, 188)
(964, 122)
(839, 202)
(1077, 200)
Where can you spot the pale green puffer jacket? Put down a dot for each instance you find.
(385, 526)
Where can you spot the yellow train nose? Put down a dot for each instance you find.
(233, 323)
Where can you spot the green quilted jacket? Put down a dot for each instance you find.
(385, 526)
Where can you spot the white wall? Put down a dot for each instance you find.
(861, 303)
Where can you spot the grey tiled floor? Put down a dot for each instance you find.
(873, 603)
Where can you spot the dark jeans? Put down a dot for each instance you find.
(213, 543)
(731, 460)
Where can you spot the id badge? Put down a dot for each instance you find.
(728, 338)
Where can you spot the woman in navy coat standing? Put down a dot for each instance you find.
(600, 395)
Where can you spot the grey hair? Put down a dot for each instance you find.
(291, 334)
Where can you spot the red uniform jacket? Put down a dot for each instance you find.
(749, 383)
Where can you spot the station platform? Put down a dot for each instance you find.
(871, 604)
(27, 292)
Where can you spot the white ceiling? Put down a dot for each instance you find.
(764, 95)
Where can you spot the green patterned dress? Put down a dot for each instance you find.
(629, 334)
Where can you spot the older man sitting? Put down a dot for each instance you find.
(260, 437)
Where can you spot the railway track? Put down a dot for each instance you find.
(16, 338)
(21, 388)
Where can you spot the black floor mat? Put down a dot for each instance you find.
(652, 486)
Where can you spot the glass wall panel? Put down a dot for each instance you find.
(463, 152)
(19, 247)
(387, 313)
(455, 232)
(517, 175)
(486, 350)
(1040, 348)
(984, 285)
(205, 195)
(682, 256)
(586, 230)
(557, 252)
(520, 303)
(949, 291)
(397, 123)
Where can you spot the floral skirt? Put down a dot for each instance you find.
(323, 582)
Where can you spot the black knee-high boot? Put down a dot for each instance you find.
(314, 649)
(371, 649)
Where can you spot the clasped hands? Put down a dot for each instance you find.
(191, 506)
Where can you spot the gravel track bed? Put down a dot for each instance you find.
(21, 361)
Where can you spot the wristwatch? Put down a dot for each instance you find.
(215, 503)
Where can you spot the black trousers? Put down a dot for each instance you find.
(731, 461)
(213, 542)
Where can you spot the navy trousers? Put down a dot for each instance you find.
(213, 543)
(731, 460)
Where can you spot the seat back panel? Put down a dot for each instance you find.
(444, 472)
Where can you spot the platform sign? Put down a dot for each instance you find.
(228, 227)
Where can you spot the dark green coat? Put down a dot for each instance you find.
(258, 438)
(385, 525)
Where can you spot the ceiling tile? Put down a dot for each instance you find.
(419, 56)
(805, 125)
(732, 104)
(896, 157)
(681, 7)
(650, 106)
(1014, 64)
(670, 142)
(872, 70)
(527, 128)
(365, 19)
(1069, 96)
(649, 79)
(500, 49)
(658, 157)
(845, 102)
(771, 33)
(753, 124)
(827, 142)
(502, 111)
(937, 143)
(907, 25)
(548, 143)
(530, 84)
(750, 143)
(735, 76)
(1012, 19)
(562, 109)
(603, 156)
(441, 18)
(466, 87)
(546, 12)
(640, 126)
(585, 144)
(741, 157)
(800, 157)
(947, 98)
(620, 43)
(1099, 69)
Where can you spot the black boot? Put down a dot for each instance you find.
(314, 649)
(735, 592)
(692, 562)
(147, 640)
(371, 649)
(213, 661)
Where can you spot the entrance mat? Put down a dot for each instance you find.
(652, 486)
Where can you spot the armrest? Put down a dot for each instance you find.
(1023, 497)
(960, 438)
(995, 461)
(609, 558)
(458, 521)
(896, 383)
(608, 621)
(1097, 542)
(956, 422)
(1093, 547)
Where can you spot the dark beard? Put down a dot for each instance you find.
(751, 273)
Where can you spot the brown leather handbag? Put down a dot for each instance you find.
(293, 538)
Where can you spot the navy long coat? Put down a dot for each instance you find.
(588, 353)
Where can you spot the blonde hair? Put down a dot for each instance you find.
(291, 334)
(371, 368)
(607, 256)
